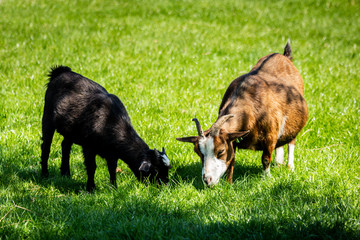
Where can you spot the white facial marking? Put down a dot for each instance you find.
(165, 160)
(282, 127)
(267, 172)
(213, 167)
(291, 150)
(279, 155)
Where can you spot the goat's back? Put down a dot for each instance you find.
(278, 68)
(80, 108)
(269, 96)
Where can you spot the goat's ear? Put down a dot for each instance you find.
(145, 166)
(192, 139)
(236, 135)
(157, 153)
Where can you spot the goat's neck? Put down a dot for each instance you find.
(131, 147)
(133, 153)
(234, 124)
(134, 161)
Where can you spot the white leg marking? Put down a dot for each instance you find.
(279, 155)
(213, 168)
(291, 148)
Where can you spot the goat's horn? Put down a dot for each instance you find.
(198, 127)
(215, 128)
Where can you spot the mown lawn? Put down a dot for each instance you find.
(170, 61)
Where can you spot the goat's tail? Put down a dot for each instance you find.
(56, 71)
(287, 50)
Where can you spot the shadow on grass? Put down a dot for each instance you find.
(192, 172)
(130, 217)
(62, 183)
(23, 163)
(143, 218)
(288, 229)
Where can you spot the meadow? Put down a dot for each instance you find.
(169, 61)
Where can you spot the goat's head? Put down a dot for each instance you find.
(155, 167)
(215, 148)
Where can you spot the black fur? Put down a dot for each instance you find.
(86, 114)
(57, 70)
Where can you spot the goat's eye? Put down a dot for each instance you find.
(220, 153)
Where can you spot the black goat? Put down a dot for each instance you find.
(86, 114)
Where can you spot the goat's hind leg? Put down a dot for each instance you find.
(291, 150)
(279, 155)
(48, 133)
(90, 164)
(65, 160)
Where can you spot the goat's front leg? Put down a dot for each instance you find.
(112, 164)
(230, 170)
(266, 159)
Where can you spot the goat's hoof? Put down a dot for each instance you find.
(90, 188)
(65, 174)
(290, 167)
(44, 174)
(279, 164)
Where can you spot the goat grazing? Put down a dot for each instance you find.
(84, 113)
(261, 110)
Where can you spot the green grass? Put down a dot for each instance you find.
(170, 61)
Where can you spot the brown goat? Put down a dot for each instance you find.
(261, 110)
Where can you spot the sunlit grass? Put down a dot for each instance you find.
(170, 61)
